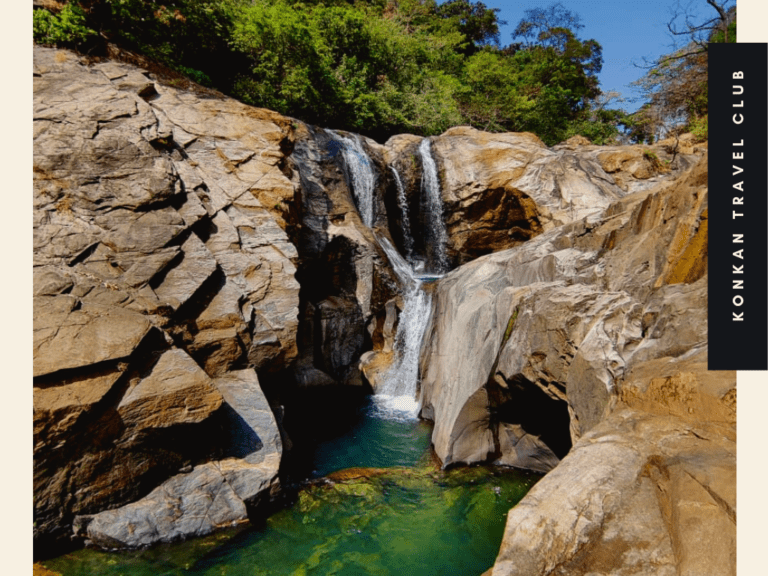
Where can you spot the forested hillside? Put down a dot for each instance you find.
(378, 67)
(382, 67)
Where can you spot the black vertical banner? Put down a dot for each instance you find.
(738, 207)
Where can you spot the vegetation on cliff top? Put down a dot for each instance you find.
(377, 67)
(675, 85)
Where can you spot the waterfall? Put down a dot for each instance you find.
(360, 174)
(396, 398)
(436, 233)
(402, 202)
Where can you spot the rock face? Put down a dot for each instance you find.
(166, 234)
(159, 275)
(184, 245)
(640, 494)
(212, 495)
(594, 334)
(558, 322)
(500, 190)
(345, 276)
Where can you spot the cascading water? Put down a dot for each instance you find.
(361, 174)
(436, 233)
(402, 202)
(397, 396)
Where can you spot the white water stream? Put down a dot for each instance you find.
(396, 398)
(436, 233)
(402, 202)
(360, 174)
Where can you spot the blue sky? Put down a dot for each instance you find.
(626, 29)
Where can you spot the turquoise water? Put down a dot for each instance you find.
(393, 514)
(373, 442)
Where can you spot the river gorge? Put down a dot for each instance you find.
(266, 347)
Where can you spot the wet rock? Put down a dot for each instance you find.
(346, 278)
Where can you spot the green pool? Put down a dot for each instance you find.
(403, 517)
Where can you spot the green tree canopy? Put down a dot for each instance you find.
(377, 67)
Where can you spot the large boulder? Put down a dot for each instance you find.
(558, 322)
(587, 346)
(161, 266)
(212, 495)
(640, 494)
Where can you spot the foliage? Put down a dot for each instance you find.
(546, 86)
(537, 23)
(675, 85)
(699, 127)
(478, 23)
(190, 36)
(68, 27)
(372, 66)
(339, 66)
(599, 126)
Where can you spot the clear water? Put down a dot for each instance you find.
(372, 441)
(398, 516)
(403, 521)
(377, 504)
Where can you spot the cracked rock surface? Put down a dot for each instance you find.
(501, 190)
(583, 351)
(163, 280)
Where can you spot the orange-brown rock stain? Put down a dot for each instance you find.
(688, 257)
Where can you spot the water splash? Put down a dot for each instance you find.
(360, 174)
(402, 202)
(396, 398)
(436, 233)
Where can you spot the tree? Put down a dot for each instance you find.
(478, 23)
(536, 26)
(675, 86)
(553, 79)
(697, 34)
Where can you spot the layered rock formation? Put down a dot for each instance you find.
(212, 495)
(565, 316)
(160, 278)
(500, 190)
(166, 224)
